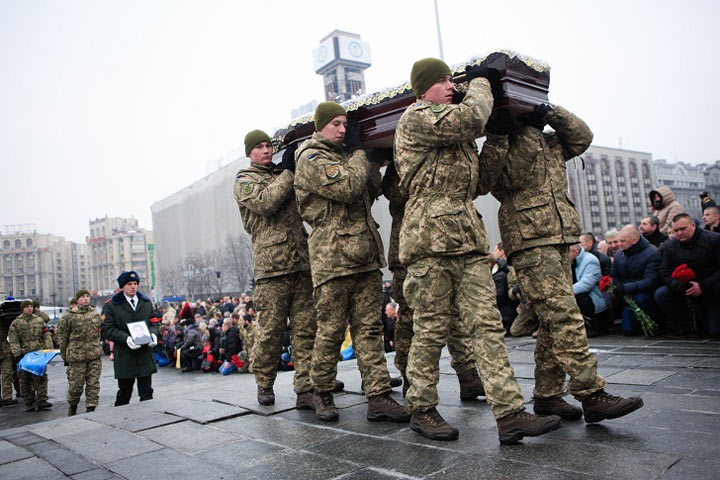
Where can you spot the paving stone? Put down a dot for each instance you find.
(627, 361)
(206, 412)
(371, 473)
(347, 400)
(707, 378)
(638, 376)
(107, 444)
(392, 455)
(248, 401)
(240, 455)
(11, 453)
(61, 458)
(682, 420)
(706, 393)
(279, 430)
(354, 419)
(298, 465)
(188, 437)
(495, 467)
(23, 438)
(172, 465)
(147, 422)
(56, 428)
(30, 468)
(96, 474)
(691, 468)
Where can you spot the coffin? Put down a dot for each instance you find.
(518, 84)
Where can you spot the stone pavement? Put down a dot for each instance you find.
(208, 426)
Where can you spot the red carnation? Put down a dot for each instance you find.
(605, 282)
(683, 273)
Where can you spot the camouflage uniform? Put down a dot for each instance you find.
(78, 337)
(44, 316)
(443, 243)
(282, 272)
(345, 258)
(6, 363)
(459, 341)
(538, 222)
(28, 333)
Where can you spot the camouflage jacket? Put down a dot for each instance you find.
(44, 316)
(270, 215)
(535, 207)
(396, 200)
(5, 351)
(28, 333)
(441, 173)
(78, 335)
(332, 195)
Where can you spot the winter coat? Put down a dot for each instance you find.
(637, 269)
(231, 342)
(702, 256)
(506, 304)
(656, 238)
(28, 333)
(588, 276)
(78, 335)
(670, 207)
(193, 338)
(117, 313)
(605, 262)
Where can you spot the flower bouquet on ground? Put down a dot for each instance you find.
(685, 274)
(647, 324)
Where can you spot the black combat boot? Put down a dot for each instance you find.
(430, 424)
(406, 384)
(44, 405)
(89, 409)
(325, 406)
(471, 386)
(339, 386)
(9, 403)
(557, 406)
(72, 410)
(512, 428)
(383, 408)
(29, 405)
(601, 405)
(304, 401)
(265, 396)
(395, 382)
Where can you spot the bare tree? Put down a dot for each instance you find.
(239, 260)
(171, 280)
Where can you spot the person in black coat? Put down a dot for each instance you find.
(230, 342)
(192, 348)
(650, 228)
(506, 301)
(132, 361)
(699, 249)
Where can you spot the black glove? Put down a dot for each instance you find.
(501, 123)
(457, 97)
(381, 156)
(475, 71)
(538, 118)
(288, 159)
(17, 359)
(65, 363)
(352, 137)
(619, 290)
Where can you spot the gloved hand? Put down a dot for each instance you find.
(17, 359)
(131, 344)
(288, 159)
(380, 156)
(352, 137)
(154, 340)
(538, 118)
(457, 97)
(500, 123)
(475, 71)
(65, 363)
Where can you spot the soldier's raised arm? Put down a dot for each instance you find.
(492, 162)
(522, 152)
(323, 175)
(573, 134)
(263, 198)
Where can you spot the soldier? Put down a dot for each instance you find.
(345, 260)
(36, 311)
(78, 337)
(443, 245)
(28, 333)
(283, 288)
(538, 222)
(131, 360)
(459, 341)
(6, 367)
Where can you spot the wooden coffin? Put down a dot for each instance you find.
(518, 84)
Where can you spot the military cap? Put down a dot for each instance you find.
(80, 293)
(253, 138)
(425, 73)
(126, 277)
(25, 303)
(325, 112)
(36, 302)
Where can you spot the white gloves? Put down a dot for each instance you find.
(132, 345)
(154, 340)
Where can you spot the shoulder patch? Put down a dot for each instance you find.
(248, 188)
(332, 170)
(438, 108)
(420, 105)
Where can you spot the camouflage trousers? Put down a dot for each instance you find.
(436, 288)
(6, 382)
(546, 283)
(525, 323)
(459, 340)
(277, 299)
(356, 299)
(84, 375)
(32, 387)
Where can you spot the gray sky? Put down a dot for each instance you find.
(109, 106)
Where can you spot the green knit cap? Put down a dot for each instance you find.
(425, 73)
(80, 293)
(25, 303)
(325, 112)
(36, 303)
(253, 138)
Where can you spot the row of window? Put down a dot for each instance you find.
(18, 244)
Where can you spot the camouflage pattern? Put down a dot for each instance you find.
(535, 207)
(546, 282)
(28, 333)
(84, 375)
(248, 334)
(276, 299)
(210, 312)
(266, 200)
(333, 198)
(434, 288)
(437, 161)
(356, 299)
(6, 378)
(78, 335)
(33, 388)
(525, 323)
(44, 316)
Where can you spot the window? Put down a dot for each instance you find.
(18, 243)
(29, 243)
(6, 245)
(8, 263)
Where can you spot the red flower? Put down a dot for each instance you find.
(683, 273)
(605, 282)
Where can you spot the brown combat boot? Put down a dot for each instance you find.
(10, 403)
(601, 405)
(72, 410)
(339, 386)
(430, 424)
(304, 401)
(395, 382)
(383, 408)
(557, 406)
(89, 409)
(44, 405)
(325, 406)
(512, 428)
(471, 386)
(265, 396)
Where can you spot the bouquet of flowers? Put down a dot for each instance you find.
(647, 324)
(685, 274)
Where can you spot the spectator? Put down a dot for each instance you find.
(389, 319)
(711, 219)
(602, 247)
(169, 341)
(611, 237)
(664, 206)
(200, 308)
(700, 250)
(235, 319)
(191, 348)
(506, 301)
(650, 229)
(169, 313)
(586, 277)
(230, 343)
(588, 243)
(186, 312)
(636, 272)
(227, 306)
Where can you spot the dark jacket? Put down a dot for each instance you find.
(637, 269)
(231, 342)
(605, 262)
(193, 338)
(701, 254)
(506, 304)
(116, 314)
(657, 238)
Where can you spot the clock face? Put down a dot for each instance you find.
(355, 49)
(321, 54)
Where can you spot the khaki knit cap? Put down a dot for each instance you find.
(425, 73)
(325, 112)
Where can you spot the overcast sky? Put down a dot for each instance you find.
(109, 106)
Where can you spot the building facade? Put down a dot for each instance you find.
(342, 59)
(686, 181)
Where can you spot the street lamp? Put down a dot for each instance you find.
(53, 295)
